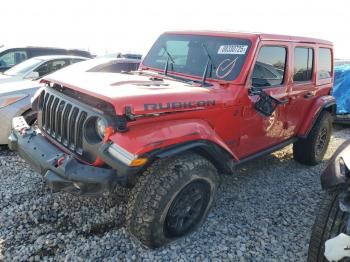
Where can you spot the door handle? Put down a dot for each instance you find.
(309, 95)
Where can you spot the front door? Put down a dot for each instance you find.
(259, 132)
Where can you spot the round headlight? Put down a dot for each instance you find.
(101, 125)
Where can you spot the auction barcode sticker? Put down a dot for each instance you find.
(232, 49)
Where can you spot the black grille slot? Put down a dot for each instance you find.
(64, 124)
(44, 110)
(59, 113)
(79, 132)
(71, 130)
(63, 121)
(53, 116)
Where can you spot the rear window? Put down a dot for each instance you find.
(324, 65)
(270, 66)
(303, 64)
(190, 55)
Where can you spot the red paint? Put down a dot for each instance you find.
(60, 161)
(232, 123)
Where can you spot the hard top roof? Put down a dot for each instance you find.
(255, 36)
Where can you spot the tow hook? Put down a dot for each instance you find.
(60, 161)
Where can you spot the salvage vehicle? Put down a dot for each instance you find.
(11, 56)
(37, 67)
(333, 219)
(15, 94)
(200, 104)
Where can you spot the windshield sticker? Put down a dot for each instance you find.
(232, 49)
(226, 67)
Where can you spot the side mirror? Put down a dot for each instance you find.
(265, 104)
(32, 75)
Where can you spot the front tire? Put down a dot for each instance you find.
(310, 151)
(171, 199)
(329, 223)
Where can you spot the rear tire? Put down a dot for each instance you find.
(171, 199)
(310, 151)
(329, 223)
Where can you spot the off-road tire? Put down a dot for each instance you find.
(329, 223)
(161, 185)
(30, 117)
(305, 150)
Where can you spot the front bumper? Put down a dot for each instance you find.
(61, 170)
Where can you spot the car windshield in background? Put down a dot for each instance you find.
(116, 67)
(23, 67)
(188, 54)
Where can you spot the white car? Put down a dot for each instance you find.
(38, 67)
(20, 83)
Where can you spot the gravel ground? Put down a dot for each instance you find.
(263, 213)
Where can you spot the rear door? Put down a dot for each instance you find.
(302, 89)
(270, 72)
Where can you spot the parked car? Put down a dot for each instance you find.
(15, 95)
(11, 56)
(333, 217)
(38, 67)
(108, 65)
(191, 112)
(120, 55)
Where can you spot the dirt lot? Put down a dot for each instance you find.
(264, 212)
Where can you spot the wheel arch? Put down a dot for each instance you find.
(324, 103)
(217, 155)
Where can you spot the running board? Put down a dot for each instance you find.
(267, 151)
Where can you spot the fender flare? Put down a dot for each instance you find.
(211, 151)
(327, 103)
(168, 138)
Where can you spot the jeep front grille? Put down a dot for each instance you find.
(63, 121)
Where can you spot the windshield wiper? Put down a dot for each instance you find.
(209, 61)
(167, 61)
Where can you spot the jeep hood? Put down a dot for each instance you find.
(142, 93)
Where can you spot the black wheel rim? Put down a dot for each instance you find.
(321, 142)
(187, 209)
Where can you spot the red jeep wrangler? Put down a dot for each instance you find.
(200, 104)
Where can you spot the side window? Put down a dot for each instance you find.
(13, 58)
(324, 65)
(51, 66)
(43, 69)
(57, 64)
(270, 66)
(303, 64)
(73, 61)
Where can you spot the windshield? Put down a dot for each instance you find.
(190, 55)
(24, 67)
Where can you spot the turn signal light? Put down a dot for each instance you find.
(138, 162)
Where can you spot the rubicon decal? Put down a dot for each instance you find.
(179, 105)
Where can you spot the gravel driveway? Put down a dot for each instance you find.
(263, 213)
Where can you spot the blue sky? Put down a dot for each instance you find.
(132, 26)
